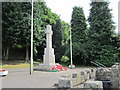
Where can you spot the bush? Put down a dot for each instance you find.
(65, 59)
(107, 63)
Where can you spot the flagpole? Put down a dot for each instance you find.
(71, 48)
(31, 59)
(71, 60)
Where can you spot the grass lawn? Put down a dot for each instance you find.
(77, 66)
(16, 64)
(22, 64)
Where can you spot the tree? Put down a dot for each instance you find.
(66, 38)
(17, 28)
(39, 32)
(16, 25)
(9, 33)
(78, 28)
(101, 22)
(66, 32)
(25, 27)
(57, 39)
(42, 17)
(101, 33)
(118, 46)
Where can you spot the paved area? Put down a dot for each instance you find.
(20, 78)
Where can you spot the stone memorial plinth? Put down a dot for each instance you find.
(49, 57)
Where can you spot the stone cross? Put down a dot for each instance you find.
(49, 34)
(49, 57)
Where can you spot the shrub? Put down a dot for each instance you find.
(65, 59)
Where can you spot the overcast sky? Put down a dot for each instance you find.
(64, 8)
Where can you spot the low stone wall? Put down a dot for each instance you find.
(70, 81)
(109, 77)
(112, 74)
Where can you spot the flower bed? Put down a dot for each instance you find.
(59, 68)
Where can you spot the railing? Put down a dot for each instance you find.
(98, 64)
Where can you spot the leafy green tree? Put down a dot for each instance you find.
(101, 33)
(118, 46)
(78, 28)
(101, 22)
(16, 25)
(66, 32)
(17, 28)
(57, 39)
(42, 17)
(66, 38)
(39, 32)
(9, 31)
(25, 27)
(38, 29)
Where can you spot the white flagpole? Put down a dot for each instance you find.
(71, 47)
(31, 59)
(71, 60)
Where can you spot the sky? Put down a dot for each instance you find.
(64, 8)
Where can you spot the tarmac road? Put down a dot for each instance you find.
(20, 78)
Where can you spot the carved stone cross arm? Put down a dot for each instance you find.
(49, 30)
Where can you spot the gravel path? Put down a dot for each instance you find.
(20, 78)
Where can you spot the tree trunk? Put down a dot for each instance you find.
(4, 54)
(27, 55)
(85, 62)
(7, 53)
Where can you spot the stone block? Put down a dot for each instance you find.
(115, 72)
(74, 75)
(115, 82)
(69, 81)
(108, 75)
(73, 82)
(66, 76)
(87, 74)
(93, 73)
(119, 69)
(78, 78)
(44, 67)
(64, 82)
(74, 79)
(93, 85)
(82, 74)
(102, 74)
(119, 85)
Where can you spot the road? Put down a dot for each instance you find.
(20, 78)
